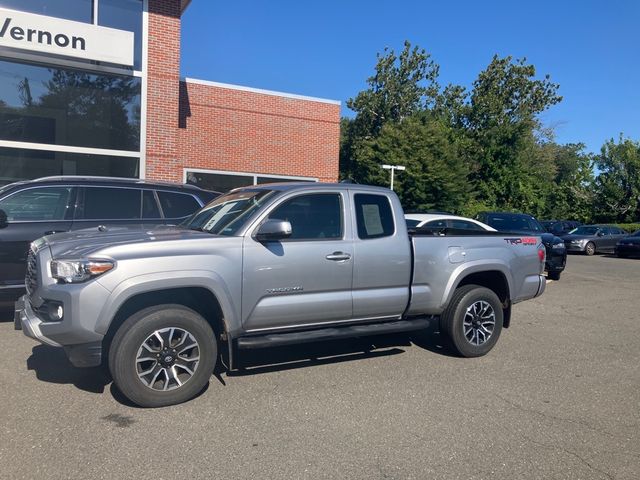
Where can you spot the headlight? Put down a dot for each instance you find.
(76, 271)
(558, 246)
(578, 242)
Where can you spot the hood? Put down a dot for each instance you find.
(82, 243)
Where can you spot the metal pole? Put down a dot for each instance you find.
(392, 170)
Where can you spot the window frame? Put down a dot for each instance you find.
(356, 213)
(73, 202)
(157, 192)
(289, 198)
(80, 205)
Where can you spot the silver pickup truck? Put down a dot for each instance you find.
(266, 266)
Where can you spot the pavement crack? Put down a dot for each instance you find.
(517, 406)
(571, 453)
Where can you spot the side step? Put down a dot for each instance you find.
(361, 330)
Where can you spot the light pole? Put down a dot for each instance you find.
(393, 168)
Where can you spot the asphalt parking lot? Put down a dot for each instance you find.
(559, 397)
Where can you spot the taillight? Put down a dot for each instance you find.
(542, 255)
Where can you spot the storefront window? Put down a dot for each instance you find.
(78, 10)
(69, 107)
(223, 182)
(20, 164)
(124, 15)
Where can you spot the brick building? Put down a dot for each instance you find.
(93, 87)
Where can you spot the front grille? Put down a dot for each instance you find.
(31, 279)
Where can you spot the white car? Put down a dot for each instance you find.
(436, 220)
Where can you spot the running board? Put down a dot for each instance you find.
(361, 330)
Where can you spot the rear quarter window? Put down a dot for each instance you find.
(373, 216)
(177, 205)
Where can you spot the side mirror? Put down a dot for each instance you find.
(273, 229)
(3, 219)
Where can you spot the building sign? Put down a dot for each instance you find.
(37, 33)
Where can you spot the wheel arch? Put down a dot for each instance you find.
(495, 280)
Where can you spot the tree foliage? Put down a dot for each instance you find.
(618, 184)
(482, 148)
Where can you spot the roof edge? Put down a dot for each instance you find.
(259, 90)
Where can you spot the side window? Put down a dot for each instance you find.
(412, 223)
(315, 216)
(373, 216)
(106, 203)
(177, 205)
(38, 204)
(606, 230)
(436, 224)
(465, 225)
(149, 205)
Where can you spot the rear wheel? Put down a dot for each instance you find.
(590, 248)
(162, 355)
(473, 320)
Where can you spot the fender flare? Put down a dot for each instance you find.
(169, 280)
(478, 266)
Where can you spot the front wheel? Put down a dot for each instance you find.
(473, 320)
(590, 249)
(162, 355)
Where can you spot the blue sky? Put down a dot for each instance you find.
(328, 49)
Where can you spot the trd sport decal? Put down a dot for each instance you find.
(522, 241)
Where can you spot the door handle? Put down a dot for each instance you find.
(51, 232)
(338, 256)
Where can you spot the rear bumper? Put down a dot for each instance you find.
(556, 260)
(628, 250)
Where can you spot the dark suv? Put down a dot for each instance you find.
(34, 208)
(521, 223)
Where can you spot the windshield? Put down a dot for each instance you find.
(585, 231)
(505, 223)
(637, 234)
(227, 214)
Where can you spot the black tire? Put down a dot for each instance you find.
(622, 255)
(554, 275)
(454, 316)
(127, 355)
(590, 249)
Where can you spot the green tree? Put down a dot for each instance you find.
(501, 121)
(618, 183)
(402, 85)
(436, 176)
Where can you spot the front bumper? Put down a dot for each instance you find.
(87, 354)
(575, 247)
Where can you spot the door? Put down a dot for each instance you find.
(31, 214)
(305, 279)
(382, 265)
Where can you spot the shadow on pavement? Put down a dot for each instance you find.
(50, 364)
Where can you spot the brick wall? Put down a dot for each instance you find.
(163, 90)
(217, 128)
(245, 131)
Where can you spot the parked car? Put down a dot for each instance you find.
(629, 246)
(31, 209)
(559, 227)
(432, 220)
(522, 223)
(267, 265)
(590, 239)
